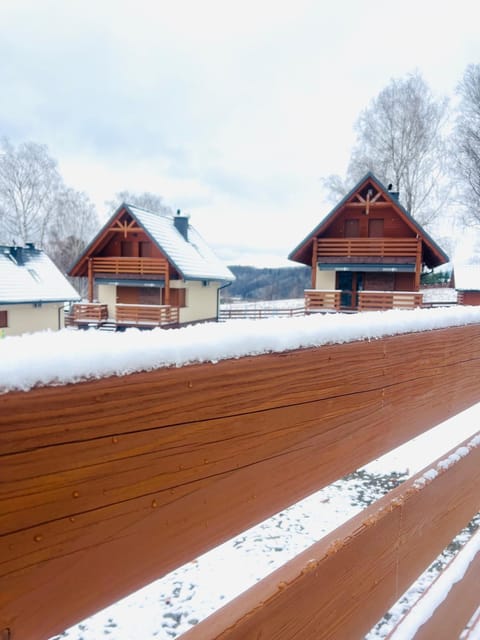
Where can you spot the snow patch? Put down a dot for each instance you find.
(54, 358)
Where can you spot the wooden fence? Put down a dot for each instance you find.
(237, 313)
(108, 484)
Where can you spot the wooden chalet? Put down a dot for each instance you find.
(368, 253)
(148, 269)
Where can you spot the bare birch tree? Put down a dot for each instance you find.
(73, 225)
(400, 140)
(466, 144)
(145, 200)
(29, 184)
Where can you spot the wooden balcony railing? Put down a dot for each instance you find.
(368, 247)
(146, 314)
(139, 266)
(316, 299)
(89, 312)
(134, 476)
(379, 300)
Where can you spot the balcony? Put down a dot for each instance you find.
(331, 300)
(88, 313)
(146, 314)
(94, 313)
(322, 300)
(137, 266)
(368, 247)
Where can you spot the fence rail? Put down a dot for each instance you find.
(322, 299)
(368, 247)
(146, 314)
(89, 312)
(259, 313)
(127, 478)
(139, 266)
(376, 300)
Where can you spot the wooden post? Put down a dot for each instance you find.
(418, 264)
(167, 286)
(90, 280)
(314, 262)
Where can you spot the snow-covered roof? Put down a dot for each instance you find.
(467, 277)
(28, 275)
(191, 256)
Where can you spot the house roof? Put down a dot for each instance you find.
(191, 257)
(467, 277)
(28, 275)
(433, 254)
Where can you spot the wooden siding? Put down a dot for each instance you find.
(126, 478)
(393, 225)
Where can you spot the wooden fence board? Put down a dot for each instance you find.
(135, 475)
(449, 617)
(340, 586)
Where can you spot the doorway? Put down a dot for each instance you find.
(350, 283)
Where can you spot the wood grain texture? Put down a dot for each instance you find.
(341, 586)
(449, 618)
(138, 474)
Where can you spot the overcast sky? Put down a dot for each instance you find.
(232, 111)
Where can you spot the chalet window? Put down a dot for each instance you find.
(352, 228)
(178, 297)
(145, 249)
(3, 319)
(128, 249)
(375, 228)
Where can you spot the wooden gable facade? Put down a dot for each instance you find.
(133, 282)
(368, 253)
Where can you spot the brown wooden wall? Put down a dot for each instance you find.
(130, 477)
(394, 226)
(469, 298)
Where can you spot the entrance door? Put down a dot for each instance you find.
(350, 283)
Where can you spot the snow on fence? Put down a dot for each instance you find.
(108, 484)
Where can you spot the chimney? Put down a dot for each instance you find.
(181, 223)
(16, 254)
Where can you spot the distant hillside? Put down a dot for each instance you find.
(267, 283)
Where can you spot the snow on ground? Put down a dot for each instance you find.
(290, 303)
(439, 295)
(68, 356)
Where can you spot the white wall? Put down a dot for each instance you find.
(201, 301)
(107, 294)
(25, 318)
(325, 280)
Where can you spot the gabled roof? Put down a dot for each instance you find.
(28, 275)
(433, 254)
(192, 257)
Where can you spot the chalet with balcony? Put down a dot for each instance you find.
(149, 269)
(33, 292)
(367, 254)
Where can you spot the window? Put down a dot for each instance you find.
(3, 318)
(352, 228)
(375, 228)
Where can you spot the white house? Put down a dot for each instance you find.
(33, 291)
